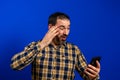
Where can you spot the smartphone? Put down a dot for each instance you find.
(94, 59)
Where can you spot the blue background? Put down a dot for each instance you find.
(95, 26)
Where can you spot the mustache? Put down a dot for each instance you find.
(64, 35)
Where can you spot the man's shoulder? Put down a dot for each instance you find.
(74, 47)
(33, 43)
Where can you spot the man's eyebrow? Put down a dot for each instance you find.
(62, 26)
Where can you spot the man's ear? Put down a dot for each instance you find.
(49, 26)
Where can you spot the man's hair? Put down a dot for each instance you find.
(57, 15)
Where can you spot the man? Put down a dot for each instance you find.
(53, 58)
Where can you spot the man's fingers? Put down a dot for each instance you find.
(55, 34)
(98, 64)
(91, 70)
(88, 73)
(53, 28)
(92, 67)
(53, 31)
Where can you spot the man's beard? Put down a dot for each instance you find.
(58, 41)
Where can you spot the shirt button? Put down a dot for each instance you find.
(55, 57)
(53, 77)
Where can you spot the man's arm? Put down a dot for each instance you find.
(82, 67)
(24, 58)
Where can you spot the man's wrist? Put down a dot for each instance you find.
(96, 78)
(40, 45)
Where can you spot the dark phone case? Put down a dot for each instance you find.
(94, 59)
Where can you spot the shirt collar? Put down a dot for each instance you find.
(58, 46)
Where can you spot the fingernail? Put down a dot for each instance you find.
(89, 65)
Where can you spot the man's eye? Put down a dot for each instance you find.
(61, 28)
(68, 28)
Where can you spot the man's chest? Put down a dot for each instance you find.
(60, 59)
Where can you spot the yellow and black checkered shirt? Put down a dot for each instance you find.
(51, 63)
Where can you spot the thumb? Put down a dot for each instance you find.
(98, 64)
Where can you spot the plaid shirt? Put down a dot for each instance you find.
(51, 63)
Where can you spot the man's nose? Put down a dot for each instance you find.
(66, 31)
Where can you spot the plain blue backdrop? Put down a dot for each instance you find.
(95, 28)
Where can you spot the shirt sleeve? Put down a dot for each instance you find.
(82, 64)
(24, 58)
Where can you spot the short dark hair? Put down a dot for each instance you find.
(57, 15)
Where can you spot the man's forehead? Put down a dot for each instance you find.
(64, 21)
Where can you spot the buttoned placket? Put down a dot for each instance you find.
(56, 48)
(54, 64)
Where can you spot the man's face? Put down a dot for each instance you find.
(64, 29)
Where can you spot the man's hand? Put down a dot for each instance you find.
(52, 32)
(92, 71)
